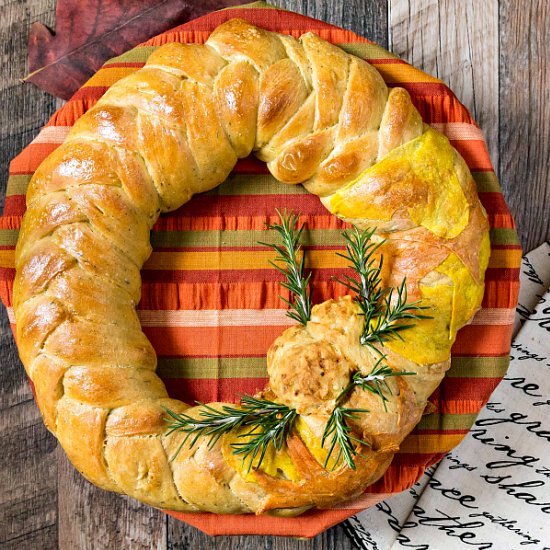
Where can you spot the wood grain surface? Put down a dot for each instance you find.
(494, 55)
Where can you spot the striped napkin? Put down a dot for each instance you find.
(210, 300)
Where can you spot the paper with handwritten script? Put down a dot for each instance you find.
(493, 490)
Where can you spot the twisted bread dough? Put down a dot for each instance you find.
(317, 116)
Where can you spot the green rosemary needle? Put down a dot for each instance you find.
(360, 251)
(293, 270)
(340, 434)
(374, 382)
(383, 318)
(269, 423)
(273, 429)
(386, 324)
(337, 429)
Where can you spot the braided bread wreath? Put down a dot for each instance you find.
(317, 116)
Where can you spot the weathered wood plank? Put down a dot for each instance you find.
(28, 479)
(28, 466)
(525, 116)
(457, 42)
(368, 19)
(44, 538)
(24, 108)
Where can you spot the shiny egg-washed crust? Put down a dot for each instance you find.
(318, 116)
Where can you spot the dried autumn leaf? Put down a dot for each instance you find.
(88, 32)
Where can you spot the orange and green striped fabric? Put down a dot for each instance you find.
(210, 300)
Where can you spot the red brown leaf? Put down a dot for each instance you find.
(88, 32)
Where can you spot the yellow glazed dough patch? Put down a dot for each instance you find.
(273, 464)
(313, 443)
(430, 340)
(419, 176)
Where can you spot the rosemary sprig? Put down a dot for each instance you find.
(360, 251)
(340, 434)
(293, 270)
(375, 381)
(337, 428)
(269, 422)
(384, 316)
(273, 429)
(386, 325)
(212, 424)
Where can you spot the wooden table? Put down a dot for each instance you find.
(493, 54)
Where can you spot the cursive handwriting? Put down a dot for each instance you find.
(457, 465)
(452, 526)
(526, 353)
(354, 528)
(494, 407)
(532, 426)
(393, 521)
(515, 458)
(543, 472)
(541, 316)
(527, 388)
(512, 489)
(452, 494)
(531, 272)
(523, 312)
(507, 524)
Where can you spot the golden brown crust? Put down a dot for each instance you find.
(318, 116)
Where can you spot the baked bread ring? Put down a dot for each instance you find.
(317, 116)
